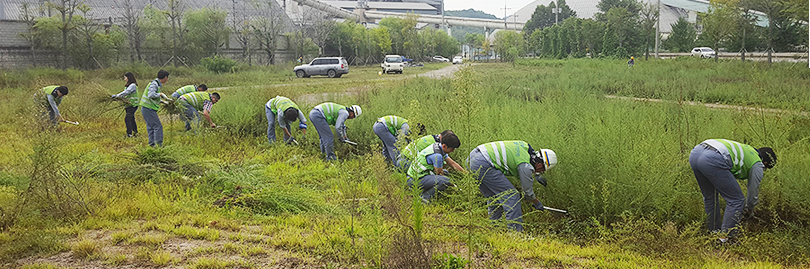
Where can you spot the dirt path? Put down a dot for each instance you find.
(715, 106)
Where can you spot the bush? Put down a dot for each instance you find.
(218, 64)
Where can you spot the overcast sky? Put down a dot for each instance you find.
(494, 7)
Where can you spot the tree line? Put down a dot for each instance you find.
(173, 33)
(625, 28)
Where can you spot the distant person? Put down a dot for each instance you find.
(717, 164)
(194, 102)
(284, 111)
(495, 161)
(391, 129)
(130, 95)
(326, 114)
(408, 154)
(150, 104)
(428, 167)
(188, 89)
(49, 99)
(631, 62)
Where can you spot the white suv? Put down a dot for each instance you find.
(457, 60)
(392, 64)
(704, 52)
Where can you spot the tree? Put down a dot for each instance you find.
(682, 38)
(206, 32)
(632, 6)
(66, 9)
(720, 22)
(649, 16)
(544, 17)
(87, 29)
(132, 23)
(475, 42)
(175, 14)
(509, 44)
(240, 26)
(624, 25)
(28, 16)
(156, 30)
(267, 28)
(382, 38)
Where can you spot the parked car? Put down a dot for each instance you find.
(392, 64)
(440, 59)
(333, 67)
(704, 52)
(457, 60)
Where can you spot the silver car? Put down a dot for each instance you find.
(333, 67)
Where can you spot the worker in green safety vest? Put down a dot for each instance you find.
(717, 164)
(150, 104)
(428, 167)
(197, 101)
(326, 114)
(49, 98)
(189, 89)
(284, 111)
(408, 154)
(130, 97)
(392, 129)
(495, 161)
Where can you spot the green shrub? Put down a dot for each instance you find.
(218, 64)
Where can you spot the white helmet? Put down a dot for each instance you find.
(357, 110)
(549, 158)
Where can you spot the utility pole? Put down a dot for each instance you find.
(505, 25)
(556, 12)
(658, 30)
(444, 23)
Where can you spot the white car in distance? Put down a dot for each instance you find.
(703, 52)
(457, 60)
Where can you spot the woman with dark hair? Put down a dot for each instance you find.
(130, 96)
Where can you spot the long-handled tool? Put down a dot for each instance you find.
(555, 210)
(350, 142)
(72, 122)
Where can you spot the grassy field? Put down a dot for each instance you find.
(87, 197)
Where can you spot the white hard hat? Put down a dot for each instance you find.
(357, 110)
(549, 158)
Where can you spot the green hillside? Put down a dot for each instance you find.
(460, 31)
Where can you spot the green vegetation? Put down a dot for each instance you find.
(225, 198)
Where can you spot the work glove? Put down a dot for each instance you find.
(541, 179)
(302, 125)
(538, 205)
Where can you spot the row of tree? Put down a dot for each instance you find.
(625, 28)
(173, 33)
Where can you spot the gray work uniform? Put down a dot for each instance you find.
(154, 128)
(325, 132)
(390, 150)
(52, 108)
(272, 118)
(432, 184)
(713, 173)
(493, 183)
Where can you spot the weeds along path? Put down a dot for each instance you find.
(714, 106)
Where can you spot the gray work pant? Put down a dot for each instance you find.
(175, 95)
(390, 150)
(431, 185)
(190, 114)
(324, 133)
(271, 126)
(713, 173)
(154, 128)
(493, 183)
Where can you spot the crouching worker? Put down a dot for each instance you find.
(391, 129)
(495, 161)
(49, 99)
(408, 154)
(428, 167)
(326, 114)
(284, 111)
(717, 164)
(188, 89)
(194, 102)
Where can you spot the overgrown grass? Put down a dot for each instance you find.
(623, 173)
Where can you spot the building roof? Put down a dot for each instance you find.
(382, 6)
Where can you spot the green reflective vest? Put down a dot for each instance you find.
(196, 99)
(281, 103)
(743, 156)
(330, 112)
(186, 89)
(133, 97)
(149, 102)
(394, 123)
(418, 145)
(420, 167)
(506, 155)
(48, 90)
